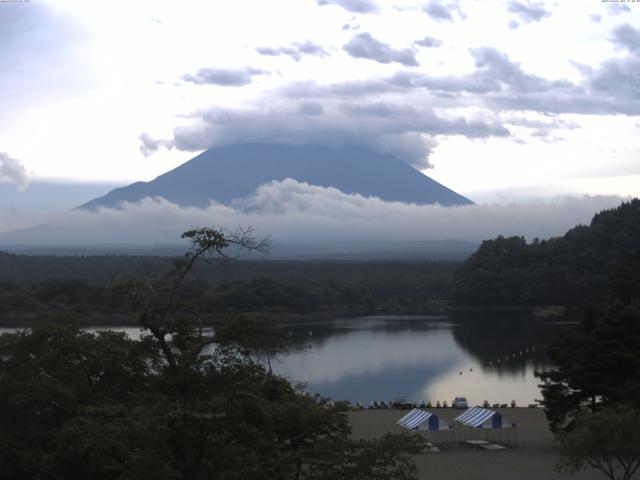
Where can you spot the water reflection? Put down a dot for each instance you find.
(381, 358)
(504, 342)
(418, 358)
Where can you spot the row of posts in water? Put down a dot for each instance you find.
(381, 405)
(512, 356)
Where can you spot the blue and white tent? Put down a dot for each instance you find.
(418, 419)
(478, 417)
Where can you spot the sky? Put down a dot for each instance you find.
(502, 101)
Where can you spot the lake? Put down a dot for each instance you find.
(482, 356)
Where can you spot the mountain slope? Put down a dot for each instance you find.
(232, 172)
(584, 266)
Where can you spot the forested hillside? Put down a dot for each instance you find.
(579, 268)
(35, 286)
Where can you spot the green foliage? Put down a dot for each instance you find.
(387, 457)
(273, 288)
(607, 440)
(569, 270)
(595, 364)
(177, 404)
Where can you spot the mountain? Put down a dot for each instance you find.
(224, 174)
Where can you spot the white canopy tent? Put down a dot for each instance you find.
(484, 419)
(418, 419)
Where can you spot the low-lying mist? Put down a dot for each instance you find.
(296, 213)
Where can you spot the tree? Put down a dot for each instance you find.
(176, 404)
(257, 337)
(387, 457)
(595, 365)
(607, 440)
(158, 306)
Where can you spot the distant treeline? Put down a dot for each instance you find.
(42, 285)
(585, 266)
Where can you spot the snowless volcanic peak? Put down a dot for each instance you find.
(223, 174)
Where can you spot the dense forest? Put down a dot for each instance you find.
(33, 286)
(179, 403)
(581, 267)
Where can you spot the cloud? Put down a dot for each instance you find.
(297, 213)
(311, 108)
(626, 36)
(149, 145)
(349, 26)
(223, 77)
(401, 130)
(528, 11)
(364, 45)
(495, 72)
(429, 42)
(295, 50)
(617, 8)
(368, 112)
(356, 6)
(617, 81)
(438, 11)
(14, 171)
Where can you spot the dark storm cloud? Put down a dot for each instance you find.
(356, 6)
(528, 11)
(364, 45)
(223, 76)
(438, 11)
(626, 36)
(295, 50)
(429, 42)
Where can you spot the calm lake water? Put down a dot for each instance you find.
(485, 356)
(382, 358)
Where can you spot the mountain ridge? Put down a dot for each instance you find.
(225, 174)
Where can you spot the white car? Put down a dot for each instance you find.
(459, 402)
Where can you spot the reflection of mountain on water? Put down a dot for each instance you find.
(504, 342)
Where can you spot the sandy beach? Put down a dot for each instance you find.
(532, 458)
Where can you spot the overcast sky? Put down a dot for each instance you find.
(495, 99)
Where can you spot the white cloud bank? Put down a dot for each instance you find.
(297, 213)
